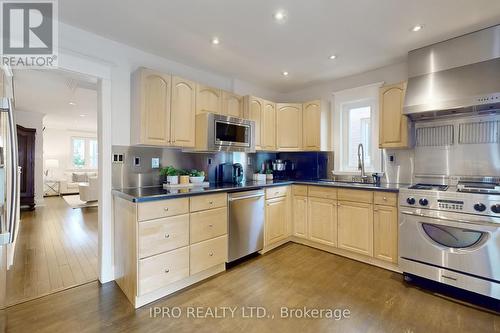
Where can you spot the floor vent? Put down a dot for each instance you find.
(435, 136)
(479, 132)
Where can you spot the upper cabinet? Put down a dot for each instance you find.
(208, 99)
(254, 107)
(393, 131)
(151, 108)
(311, 124)
(289, 126)
(232, 104)
(183, 112)
(268, 126)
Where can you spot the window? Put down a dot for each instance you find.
(358, 131)
(84, 153)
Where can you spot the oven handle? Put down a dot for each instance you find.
(451, 219)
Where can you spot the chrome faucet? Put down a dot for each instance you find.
(361, 160)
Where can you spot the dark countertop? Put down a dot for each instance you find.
(142, 194)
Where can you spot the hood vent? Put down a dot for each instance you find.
(457, 76)
(479, 132)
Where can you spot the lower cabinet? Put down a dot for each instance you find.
(385, 231)
(355, 227)
(208, 253)
(299, 224)
(322, 221)
(276, 220)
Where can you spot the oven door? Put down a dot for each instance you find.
(463, 243)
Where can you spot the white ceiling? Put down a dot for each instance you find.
(50, 92)
(365, 34)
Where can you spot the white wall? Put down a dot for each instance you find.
(123, 60)
(57, 145)
(35, 120)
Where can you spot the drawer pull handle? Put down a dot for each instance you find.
(211, 254)
(167, 235)
(165, 209)
(210, 202)
(210, 225)
(167, 270)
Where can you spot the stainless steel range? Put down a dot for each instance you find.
(451, 234)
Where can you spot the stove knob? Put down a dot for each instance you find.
(423, 202)
(480, 207)
(410, 201)
(496, 208)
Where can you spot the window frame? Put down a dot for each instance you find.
(86, 153)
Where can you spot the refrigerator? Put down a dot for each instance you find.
(9, 180)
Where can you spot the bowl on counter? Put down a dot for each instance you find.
(197, 180)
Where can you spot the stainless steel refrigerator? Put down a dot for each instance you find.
(9, 180)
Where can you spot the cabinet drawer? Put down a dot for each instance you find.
(355, 195)
(209, 201)
(323, 192)
(162, 208)
(299, 190)
(385, 198)
(157, 236)
(208, 254)
(276, 192)
(160, 270)
(208, 224)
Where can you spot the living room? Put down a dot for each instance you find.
(56, 244)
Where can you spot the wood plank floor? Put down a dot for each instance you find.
(292, 275)
(56, 249)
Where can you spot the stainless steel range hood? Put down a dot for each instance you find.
(460, 75)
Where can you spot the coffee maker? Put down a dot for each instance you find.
(228, 173)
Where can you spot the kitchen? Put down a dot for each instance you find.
(229, 202)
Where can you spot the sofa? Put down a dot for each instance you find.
(89, 191)
(70, 183)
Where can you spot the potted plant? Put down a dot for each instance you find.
(269, 174)
(196, 177)
(258, 176)
(171, 174)
(184, 176)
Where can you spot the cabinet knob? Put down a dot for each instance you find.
(211, 254)
(385, 198)
(167, 270)
(165, 209)
(210, 202)
(375, 209)
(167, 235)
(210, 225)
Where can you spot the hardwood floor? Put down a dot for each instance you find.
(292, 275)
(56, 249)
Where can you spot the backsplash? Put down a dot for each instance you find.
(300, 165)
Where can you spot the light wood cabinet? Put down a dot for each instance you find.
(393, 126)
(311, 123)
(232, 104)
(151, 100)
(289, 127)
(276, 220)
(385, 233)
(268, 126)
(254, 109)
(208, 99)
(300, 216)
(322, 221)
(355, 227)
(183, 112)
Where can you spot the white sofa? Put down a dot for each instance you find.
(89, 191)
(72, 179)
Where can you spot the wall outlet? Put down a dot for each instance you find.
(209, 161)
(392, 158)
(137, 161)
(155, 163)
(118, 159)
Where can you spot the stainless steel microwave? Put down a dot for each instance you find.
(216, 132)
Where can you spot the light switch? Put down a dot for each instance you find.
(155, 162)
(137, 161)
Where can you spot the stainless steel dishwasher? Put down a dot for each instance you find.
(246, 223)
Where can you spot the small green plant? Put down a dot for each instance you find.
(169, 171)
(269, 172)
(196, 173)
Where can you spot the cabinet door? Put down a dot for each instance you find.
(322, 220)
(355, 227)
(183, 112)
(154, 107)
(393, 131)
(289, 127)
(385, 232)
(299, 205)
(268, 126)
(312, 125)
(208, 99)
(232, 104)
(254, 107)
(276, 217)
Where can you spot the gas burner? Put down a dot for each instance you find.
(431, 187)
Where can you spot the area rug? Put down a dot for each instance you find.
(74, 201)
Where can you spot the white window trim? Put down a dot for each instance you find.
(87, 140)
(350, 96)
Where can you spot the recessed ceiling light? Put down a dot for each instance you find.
(83, 115)
(416, 28)
(72, 103)
(215, 41)
(333, 56)
(279, 16)
(285, 73)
